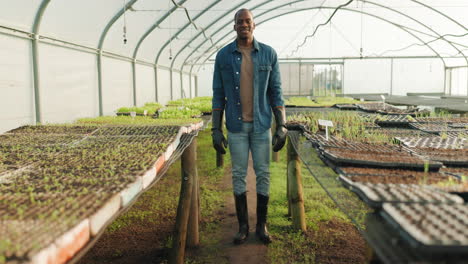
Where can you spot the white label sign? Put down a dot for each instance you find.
(327, 123)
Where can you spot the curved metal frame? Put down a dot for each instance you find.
(140, 41)
(44, 4)
(400, 26)
(99, 56)
(175, 36)
(346, 9)
(376, 16)
(212, 23)
(35, 58)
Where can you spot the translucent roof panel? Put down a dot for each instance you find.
(19, 14)
(80, 22)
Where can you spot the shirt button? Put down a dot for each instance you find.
(238, 58)
(237, 72)
(239, 118)
(238, 103)
(237, 87)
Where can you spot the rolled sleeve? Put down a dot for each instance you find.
(274, 83)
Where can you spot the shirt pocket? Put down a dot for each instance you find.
(264, 68)
(226, 72)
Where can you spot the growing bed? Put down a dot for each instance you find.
(61, 185)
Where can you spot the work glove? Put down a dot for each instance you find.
(279, 138)
(219, 141)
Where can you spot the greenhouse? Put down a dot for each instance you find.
(109, 119)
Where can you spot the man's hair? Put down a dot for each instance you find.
(241, 10)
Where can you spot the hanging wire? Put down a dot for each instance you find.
(125, 22)
(306, 25)
(170, 29)
(423, 44)
(193, 22)
(318, 26)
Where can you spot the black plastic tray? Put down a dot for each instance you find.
(420, 245)
(364, 192)
(433, 165)
(391, 248)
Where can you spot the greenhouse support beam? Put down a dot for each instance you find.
(391, 76)
(213, 22)
(181, 76)
(35, 58)
(196, 86)
(146, 34)
(321, 7)
(156, 83)
(101, 44)
(177, 34)
(134, 82)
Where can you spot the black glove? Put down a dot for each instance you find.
(279, 138)
(219, 141)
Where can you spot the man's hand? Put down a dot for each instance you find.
(219, 141)
(279, 138)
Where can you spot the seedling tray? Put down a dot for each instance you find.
(394, 121)
(346, 106)
(339, 143)
(391, 248)
(458, 157)
(441, 119)
(459, 172)
(378, 158)
(56, 129)
(401, 132)
(393, 176)
(377, 194)
(432, 228)
(437, 128)
(434, 142)
(374, 107)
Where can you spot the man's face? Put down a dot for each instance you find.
(244, 25)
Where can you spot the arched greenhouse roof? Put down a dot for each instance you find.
(146, 50)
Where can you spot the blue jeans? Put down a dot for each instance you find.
(240, 143)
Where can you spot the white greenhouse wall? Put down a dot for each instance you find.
(16, 84)
(205, 80)
(186, 85)
(145, 88)
(366, 76)
(68, 84)
(164, 92)
(459, 82)
(417, 76)
(117, 84)
(176, 92)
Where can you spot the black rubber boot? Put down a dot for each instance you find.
(262, 210)
(242, 218)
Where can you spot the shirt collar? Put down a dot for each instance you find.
(233, 46)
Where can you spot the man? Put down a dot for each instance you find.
(247, 86)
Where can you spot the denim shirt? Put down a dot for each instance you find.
(267, 92)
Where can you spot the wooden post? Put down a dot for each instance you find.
(183, 210)
(295, 198)
(193, 238)
(274, 155)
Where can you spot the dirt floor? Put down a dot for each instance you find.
(149, 241)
